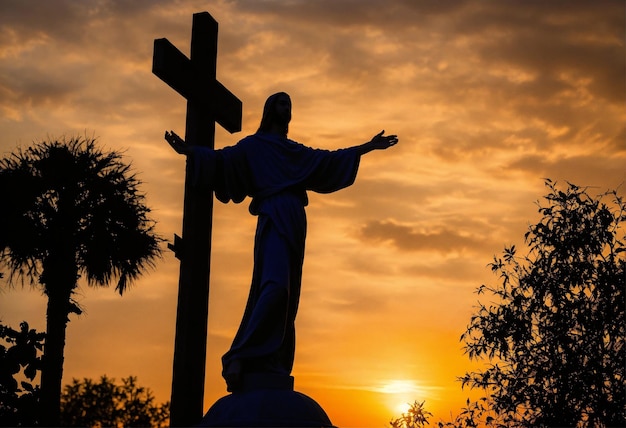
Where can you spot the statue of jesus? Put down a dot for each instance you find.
(276, 173)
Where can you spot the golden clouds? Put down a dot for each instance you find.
(406, 238)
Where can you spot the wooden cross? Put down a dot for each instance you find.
(208, 101)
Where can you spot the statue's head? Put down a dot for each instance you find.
(276, 113)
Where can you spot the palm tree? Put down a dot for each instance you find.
(71, 211)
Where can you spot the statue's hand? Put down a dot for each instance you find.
(381, 142)
(177, 143)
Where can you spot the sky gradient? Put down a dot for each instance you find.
(488, 99)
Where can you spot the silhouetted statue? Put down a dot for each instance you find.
(276, 173)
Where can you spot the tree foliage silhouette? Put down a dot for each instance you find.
(554, 329)
(415, 417)
(20, 358)
(89, 404)
(554, 333)
(71, 210)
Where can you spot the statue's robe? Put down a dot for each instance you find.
(276, 173)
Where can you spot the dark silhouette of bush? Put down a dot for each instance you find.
(20, 358)
(553, 329)
(105, 404)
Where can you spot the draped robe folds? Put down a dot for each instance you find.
(276, 173)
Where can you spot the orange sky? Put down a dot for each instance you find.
(487, 98)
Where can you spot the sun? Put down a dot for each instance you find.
(402, 408)
(400, 393)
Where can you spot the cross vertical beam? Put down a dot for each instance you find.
(207, 102)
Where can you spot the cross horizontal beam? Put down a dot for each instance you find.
(175, 69)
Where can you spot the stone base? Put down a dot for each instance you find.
(266, 401)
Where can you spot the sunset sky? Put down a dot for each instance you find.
(487, 97)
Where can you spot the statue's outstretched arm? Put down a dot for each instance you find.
(177, 143)
(378, 142)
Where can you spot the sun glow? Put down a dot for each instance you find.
(399, 387)
(400, 393)
(402, 408)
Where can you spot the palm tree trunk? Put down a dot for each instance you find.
(59, 280)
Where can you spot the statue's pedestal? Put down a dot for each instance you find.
(266, 400)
